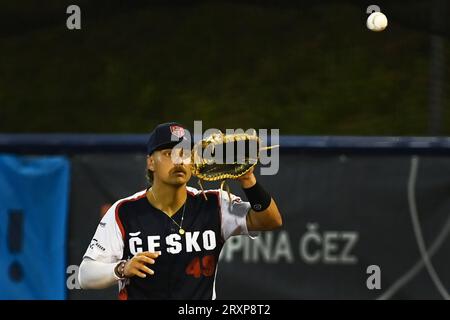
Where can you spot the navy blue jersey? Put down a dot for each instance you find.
(186, 268)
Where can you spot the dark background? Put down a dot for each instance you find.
(306, 67)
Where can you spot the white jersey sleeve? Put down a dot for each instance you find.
(234, 215)
(107, 244)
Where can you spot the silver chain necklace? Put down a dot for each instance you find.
(180, 226)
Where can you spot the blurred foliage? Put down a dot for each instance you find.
(307, 70)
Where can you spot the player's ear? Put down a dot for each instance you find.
(150, 163)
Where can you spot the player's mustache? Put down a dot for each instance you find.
(179, 169)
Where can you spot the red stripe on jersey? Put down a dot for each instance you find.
(123, 294)
(119, 223)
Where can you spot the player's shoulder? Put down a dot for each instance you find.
(217, 193)
(119, 204)
(196, 192)
(134, 197)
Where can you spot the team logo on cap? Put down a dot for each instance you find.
(177, 131)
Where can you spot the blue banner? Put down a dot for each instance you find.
(34, 193)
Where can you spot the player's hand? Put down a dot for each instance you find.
(248, 180)
(137, 266)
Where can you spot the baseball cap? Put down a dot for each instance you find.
(165, 135)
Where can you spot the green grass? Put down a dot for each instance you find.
(305, 71)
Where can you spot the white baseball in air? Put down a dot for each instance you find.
(377, 21)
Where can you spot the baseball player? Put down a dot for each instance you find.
(164, 242)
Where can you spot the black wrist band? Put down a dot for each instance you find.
(258, 197)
